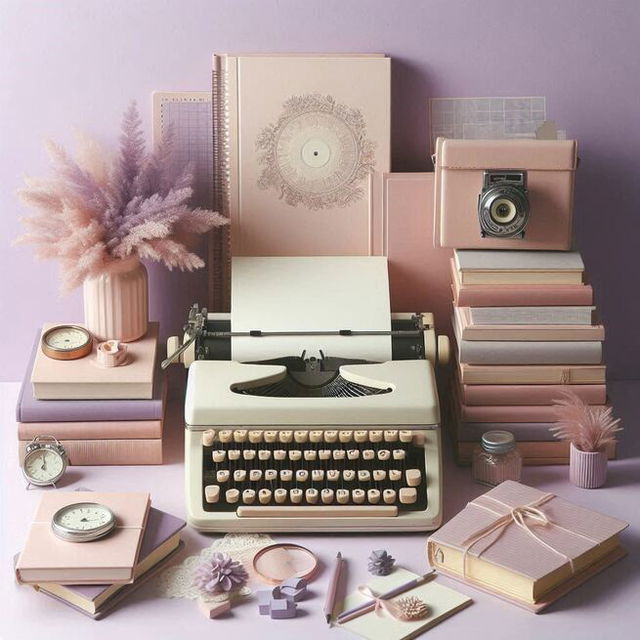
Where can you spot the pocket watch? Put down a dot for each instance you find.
(45, 461)
(83, 521)
(66, 342)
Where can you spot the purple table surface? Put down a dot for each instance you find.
(607, 605)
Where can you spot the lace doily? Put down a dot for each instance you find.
(177, 581)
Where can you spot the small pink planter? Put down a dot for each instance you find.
(116, 302)
(587, 469)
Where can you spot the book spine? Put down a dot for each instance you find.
(514, 353)
(505, 296)
(562, 315)
(537, 374)
(533, 453)
(523, 431)
(95, 430)
(108, 452)
(545, 333)
(534, 394)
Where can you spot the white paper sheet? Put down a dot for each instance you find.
(310, 294)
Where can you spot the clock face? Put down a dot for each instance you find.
(67, 338)
(43, 466)
(84, 516)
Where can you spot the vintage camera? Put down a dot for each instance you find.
(503, 204)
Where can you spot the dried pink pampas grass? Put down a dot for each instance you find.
(589, 427)
(94, 211)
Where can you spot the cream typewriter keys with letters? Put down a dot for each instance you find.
(345, 436)
(301, 436)
(208, 438)
(296, 496)
(212, 493)
(280, 495)
(232, 495)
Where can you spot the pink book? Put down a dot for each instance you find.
(84, 379)
(47, 558)
(526, 374)
(100, 430)
(557, 543)
(509, 295)
(529, 394)
(500, 413)
(108, 452)
(418, 272)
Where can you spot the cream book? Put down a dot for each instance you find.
(302, 143)
(442, 601)
(111, 559)
(477, 266)
(84, 379)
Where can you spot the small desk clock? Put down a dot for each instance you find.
(83, 522)
(45, 461)
(66, 342)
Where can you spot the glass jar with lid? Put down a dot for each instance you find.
(496, 458)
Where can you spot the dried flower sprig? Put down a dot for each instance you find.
(94, 211)
(589, 427)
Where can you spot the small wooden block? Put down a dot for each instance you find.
(213, 609)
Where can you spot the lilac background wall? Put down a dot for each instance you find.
(78, 63)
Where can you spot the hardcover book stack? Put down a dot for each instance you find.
(95, 576)
(525, 329)
(102, 416)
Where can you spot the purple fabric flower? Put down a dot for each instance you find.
(220, 573)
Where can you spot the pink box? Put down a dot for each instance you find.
(459, 181)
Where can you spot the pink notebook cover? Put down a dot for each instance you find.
(577, 530)
(507, 295)
(102, 430)
(47, 558)
(108, 452)
(84, 379)
(418, 272)
(529, 394)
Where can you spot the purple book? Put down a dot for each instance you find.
(96, 601)
(28, 409)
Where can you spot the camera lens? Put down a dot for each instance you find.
(503, 211)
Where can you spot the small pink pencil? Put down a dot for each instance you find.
(330, 601)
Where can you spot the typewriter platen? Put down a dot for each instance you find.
(310, 441)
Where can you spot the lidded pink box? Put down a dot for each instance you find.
(504, 194)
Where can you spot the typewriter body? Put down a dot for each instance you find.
(310, 441)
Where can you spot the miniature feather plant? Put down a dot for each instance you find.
(94, 210)
(589, 427)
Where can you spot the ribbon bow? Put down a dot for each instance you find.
(381, 605)
(518, 515)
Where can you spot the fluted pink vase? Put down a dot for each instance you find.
(116, 303)
(587, 469)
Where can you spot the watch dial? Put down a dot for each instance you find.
(66, 338)
(84, 517)
(43, 465)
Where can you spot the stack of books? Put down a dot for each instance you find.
(101, 416)
(524, 330)
(97, 577)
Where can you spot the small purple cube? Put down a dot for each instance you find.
(281, 609)
(264, 602)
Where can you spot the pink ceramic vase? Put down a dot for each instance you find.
(116, 303)
(587, 469)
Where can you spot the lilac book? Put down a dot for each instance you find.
(28, 409)
(161, 541)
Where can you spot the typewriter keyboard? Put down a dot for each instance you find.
(320, 472)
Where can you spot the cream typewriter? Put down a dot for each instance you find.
(310, 407)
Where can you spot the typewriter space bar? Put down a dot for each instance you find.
(346, 511)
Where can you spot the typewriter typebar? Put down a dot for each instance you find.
(263, 455)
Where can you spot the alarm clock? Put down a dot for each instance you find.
(83, 522)
(45, 461)
(66, 342)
